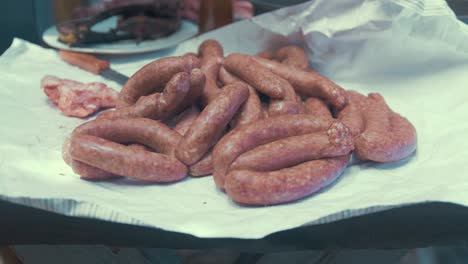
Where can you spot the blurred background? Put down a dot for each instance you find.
(27, 19)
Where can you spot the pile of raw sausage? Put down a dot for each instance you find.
(267, 127)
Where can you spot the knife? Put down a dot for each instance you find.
(93, 64)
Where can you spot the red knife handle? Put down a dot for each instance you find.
(84, 61)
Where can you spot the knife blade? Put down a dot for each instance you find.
(115, 76)
(93, 64)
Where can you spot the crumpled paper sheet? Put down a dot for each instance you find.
(413, 52)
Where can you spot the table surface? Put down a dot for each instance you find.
(406, 227)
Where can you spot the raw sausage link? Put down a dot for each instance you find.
(126, 161)
(185, 120)
(309, 83)
(211, 54)
(211, 123)
(285, 185)
(317, 107)
(147, 132)
(191, 54)
(388, 137)
(197, 84)
(226, 77)
(153, 134)
(293, 56)
(283, 153)
(286, 106)
(139, 146)
(84, 170)
(352, 115)
(251, 110)
(258, 76)
(158, 106)
(88, 172)
(66, 151)
(153, 77)
(357, 98)
(266, 54)
(203, 167)
(248, 137)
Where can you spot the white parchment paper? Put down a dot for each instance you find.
(413, 52)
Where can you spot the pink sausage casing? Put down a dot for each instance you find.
(317, 107)
(286, 106)
(266, 54)
(247, 137)
(352, 115)
(153, 77)
(292, 56)
(84, 170)
(211, 123)
(197, 84)
(285, 185)
(283, 153)
(185, 120)
(308, 83)
(126, 161)
(156, 106)
(258, 76)
(147, 132)
(251, 110)
(211, 53)
(388, 136)
(203, 167)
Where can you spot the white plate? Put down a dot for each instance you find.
(186, 31)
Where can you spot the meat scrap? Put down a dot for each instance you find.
(78, 99)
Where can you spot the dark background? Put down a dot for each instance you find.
(27, 19)
(24, 19)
